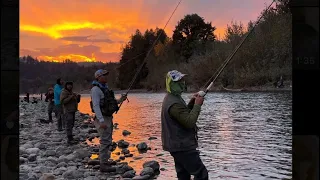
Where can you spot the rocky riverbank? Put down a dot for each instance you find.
(45, 154)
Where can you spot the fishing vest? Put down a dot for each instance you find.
(174, 136)
(108, 104)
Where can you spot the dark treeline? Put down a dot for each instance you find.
(193, 49)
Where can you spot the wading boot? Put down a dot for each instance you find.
(71, 141)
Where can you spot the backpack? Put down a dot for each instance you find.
(108, 104)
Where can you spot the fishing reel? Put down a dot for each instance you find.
(202, 93)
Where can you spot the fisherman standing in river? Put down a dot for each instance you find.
(179, 130)
(104, 104)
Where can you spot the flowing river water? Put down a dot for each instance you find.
(241, 135)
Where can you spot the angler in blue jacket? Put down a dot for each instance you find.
(58, 108)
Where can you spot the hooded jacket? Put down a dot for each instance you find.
(68, 99)
(178, 120)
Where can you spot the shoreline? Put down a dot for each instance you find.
(45, 154)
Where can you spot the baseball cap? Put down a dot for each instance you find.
(175, 75)
(100, 72)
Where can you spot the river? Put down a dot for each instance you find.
(241, 135)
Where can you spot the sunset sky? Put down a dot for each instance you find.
(95, 30)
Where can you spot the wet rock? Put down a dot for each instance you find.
(147, 171)
(27, 146)
(128, 155)
(91, 178)
(32, 157)
(137, 158)
(162, 169)
(152, 164)
(126, 133)
(50, 153)
(142, 146)
(23, 160)
(123, 144)
(141, 177)
(47, 176)
(94, 162)
(125, 151)
(124, 168)
(33, 150)
(129, 174)
(152, 138)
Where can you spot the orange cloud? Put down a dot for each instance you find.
(52, 25)
(73, 57)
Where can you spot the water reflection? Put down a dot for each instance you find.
(242, 135)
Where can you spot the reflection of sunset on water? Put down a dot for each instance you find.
(142, 119)
(241, 135)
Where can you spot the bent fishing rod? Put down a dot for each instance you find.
(146, 58)
(224, 64)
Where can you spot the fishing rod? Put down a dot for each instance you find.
(224, 64)
(146, 58)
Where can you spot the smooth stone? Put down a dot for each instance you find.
(147, 171)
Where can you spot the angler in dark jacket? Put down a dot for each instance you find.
(49, 98)
(104, 104)
(179, 130)
(69, 102)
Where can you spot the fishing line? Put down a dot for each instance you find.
(146, 58)
(223, 65)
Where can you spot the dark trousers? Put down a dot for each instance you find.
(58, 112)
(188, 163)
(69, 121)
(50, 110)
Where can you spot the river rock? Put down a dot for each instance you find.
(72, 174)
(124, 168)
(82, 153)
(129, 174)
(40, 145)
(47, 176)
(50, 153)
(128, 155)
(123, 144)
(152, 138)
(147, 171)
(126, 133)
(33, 150)
(59, 171)
(22, 160)
(62, 164)
(142, 146)
(32, 157)
(125, 151)
(152, 164)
